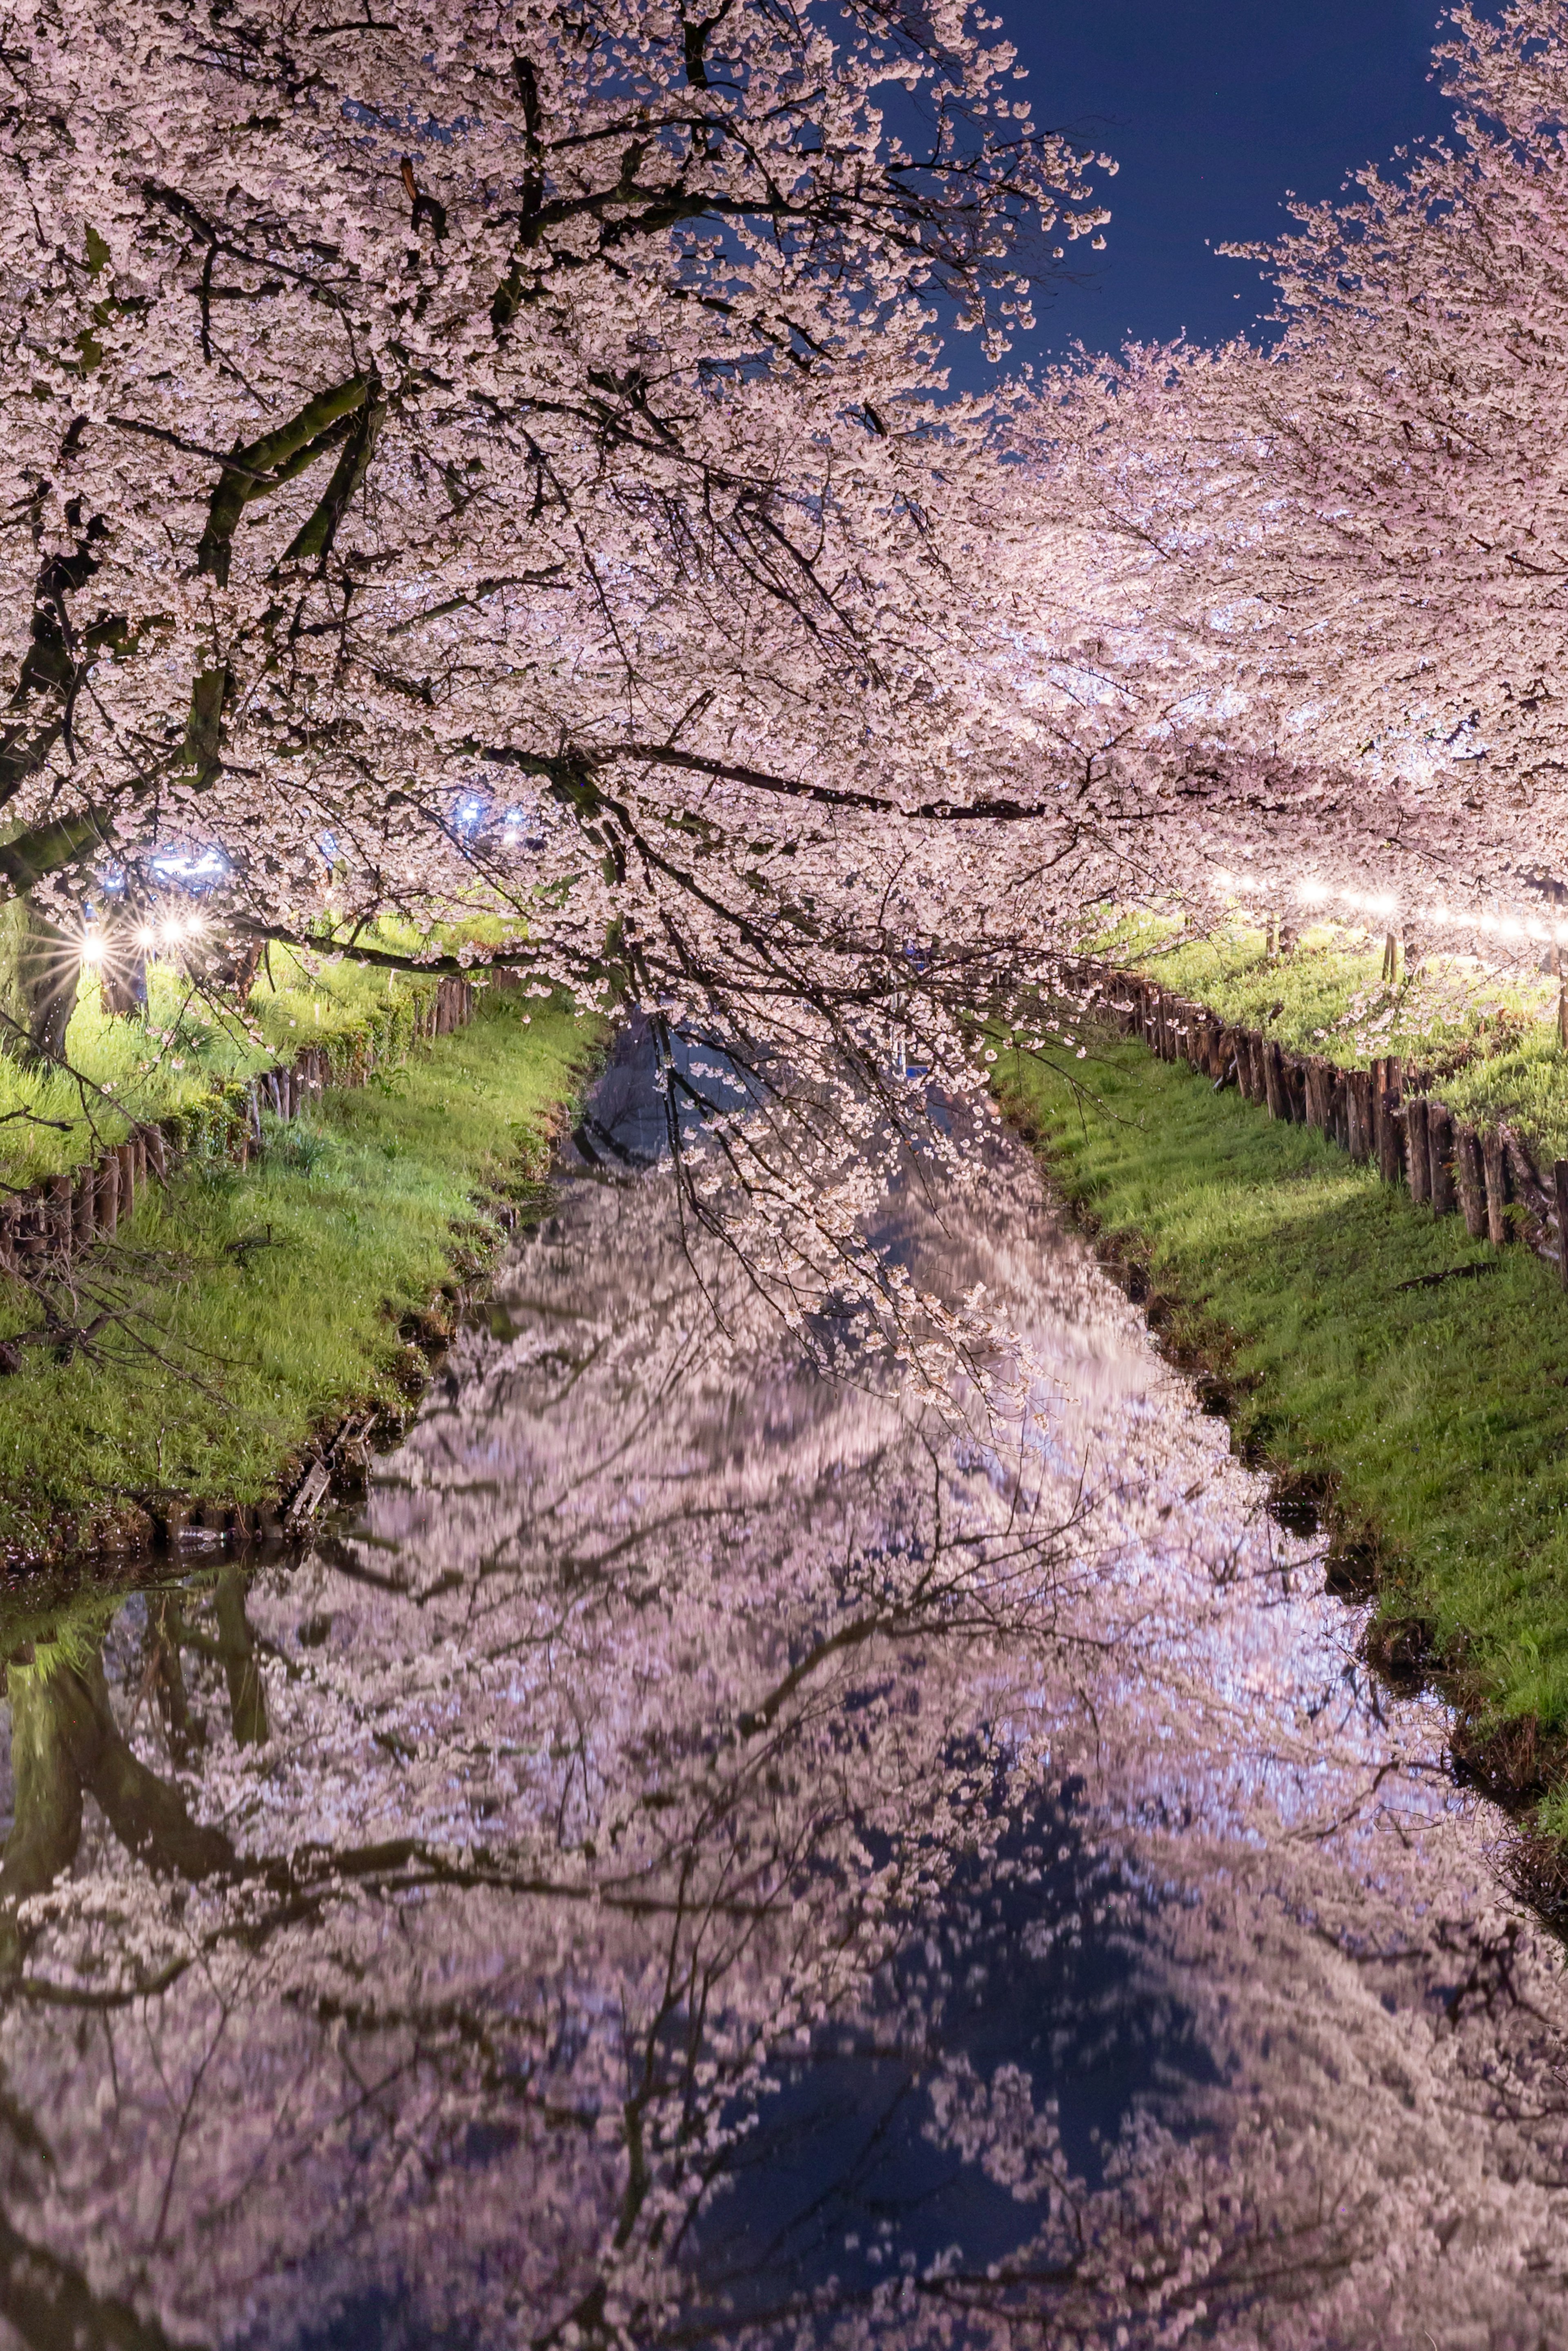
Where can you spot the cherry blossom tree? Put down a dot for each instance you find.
(493, 407)
(1307, 614)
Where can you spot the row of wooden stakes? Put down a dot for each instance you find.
(64, 1215)
(1386, 1114)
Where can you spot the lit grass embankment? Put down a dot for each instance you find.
(194, 1040)
(1438, 1416)
(276, 1292)
(1488, 1038)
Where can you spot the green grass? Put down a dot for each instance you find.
(1440, 1416)
(1488, 1042)
(1327, 994)
(195, 1041)
(356, 1206)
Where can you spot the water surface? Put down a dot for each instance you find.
(712, 1853)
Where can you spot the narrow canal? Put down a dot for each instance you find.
(710, 1853)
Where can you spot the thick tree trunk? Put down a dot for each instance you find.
(247, 1692)
(65, 1742)
(46, 1830)
(39, 968)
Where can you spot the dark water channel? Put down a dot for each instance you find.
(711, 1855)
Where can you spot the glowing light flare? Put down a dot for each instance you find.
(1383, 907)
(1386, 908)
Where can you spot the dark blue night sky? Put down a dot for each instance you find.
(1214, 110)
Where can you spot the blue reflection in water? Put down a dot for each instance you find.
(1034, 1959)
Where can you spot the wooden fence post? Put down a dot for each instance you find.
(58, 1214)
(109, 1194)
(1470, 1175)
(1388, 1123)
(1293, 1087)
(125, 1153)
(1317, 1108)
(26, 1236)
(1439, 1154)
(84, 1210)
(1496, 1167)
(32, 1238)
(1560, 1186)
(1417, 1166)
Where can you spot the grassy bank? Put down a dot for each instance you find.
(1487, 1039)
(272, 1296)
(1437, 1414)
(193, 1039)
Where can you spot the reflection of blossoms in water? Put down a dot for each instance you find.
(716, 1853)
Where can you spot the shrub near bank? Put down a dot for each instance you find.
(1435, 1414)
(273, 1295)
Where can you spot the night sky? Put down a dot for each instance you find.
(1214, 110)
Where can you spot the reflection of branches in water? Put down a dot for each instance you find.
(680, 1724)
(785, 1177)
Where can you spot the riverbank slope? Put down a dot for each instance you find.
(1366, 1352)
(242, 1312)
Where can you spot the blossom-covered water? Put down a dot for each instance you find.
(709, 1854)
